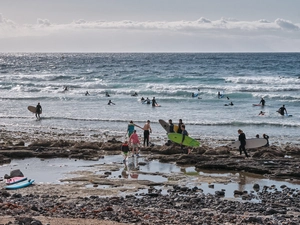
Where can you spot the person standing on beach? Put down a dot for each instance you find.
(147, 130)
(281, 110)
(242, 139)
(179, 131)
(184, 134)
(38, 111)
(134, 143)
(171, 129)
(130, 128)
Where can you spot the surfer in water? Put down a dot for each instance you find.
(262, 102)
(106, 94)
(154, 103)
(110, 102)
(261, 113)
(135, 94)
(184, 134)
(281, 110)
(87, 93)
(242, 139)
(38, 111)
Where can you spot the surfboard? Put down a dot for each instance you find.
(195, 95)
(257, 104)
(15, 180)
(188, 141)
(19, 185)
(250, 143)
(176, 128)
(32, 109)
(165, 125)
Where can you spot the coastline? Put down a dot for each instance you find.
(188, 205)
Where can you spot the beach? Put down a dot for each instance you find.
(64, 203)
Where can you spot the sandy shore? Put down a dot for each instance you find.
(73, 203)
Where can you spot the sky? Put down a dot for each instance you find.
(150, 26)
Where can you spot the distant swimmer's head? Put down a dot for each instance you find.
(180, 120)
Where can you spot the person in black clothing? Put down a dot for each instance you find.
(267, 138)
(125, 150)
(110, 102)
(171, 130)
(184, 134)
(262, 102)
(281, 110)
(154, 103)
(38, 111)
(179, 126)
(242, 139)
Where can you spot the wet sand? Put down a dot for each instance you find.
(51, 203)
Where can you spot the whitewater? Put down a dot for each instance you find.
(243, 79)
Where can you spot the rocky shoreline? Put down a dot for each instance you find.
(182, 204)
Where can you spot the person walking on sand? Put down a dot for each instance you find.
(184, 134)
(179, 131)
(147, 130)
(38, 111)
(242, 139)
(171, 129)
(125, 150)
(134, 143)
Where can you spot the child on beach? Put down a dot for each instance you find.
(134, 143)
(125, 150)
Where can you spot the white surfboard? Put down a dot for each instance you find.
(250, 143)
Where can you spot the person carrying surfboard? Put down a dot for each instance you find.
(281, 110)
(184, 134)
(38, 111)
(242, 139)
(262, 102)
(179, 126)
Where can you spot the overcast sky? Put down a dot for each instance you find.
(150, 26)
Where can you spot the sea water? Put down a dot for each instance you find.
(29, 78)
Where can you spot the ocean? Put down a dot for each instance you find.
(243, 79)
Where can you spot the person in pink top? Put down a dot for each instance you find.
(134, 143)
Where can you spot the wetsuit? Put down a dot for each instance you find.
(262, 102)
(171, 130)
(146, 137)
(281, 110)
(179, 131)
(38, 109)
(242, 139)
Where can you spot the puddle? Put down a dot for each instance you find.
(53, 170)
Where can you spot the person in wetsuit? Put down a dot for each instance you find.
(154, 103)
(184, 134)
(147, 130)
(171, 129)
(179, 126)
(38, 111)
(262, 102)
(242, 139)
(281, 110)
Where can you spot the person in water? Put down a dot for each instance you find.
(281, 110)
(262, 102)
(110, 102)
(38, 111)
(135, 94)
(261, 113)
(142, 99)
(87, 93)
(154, 103)
(147, 130)
(242, 139)
(147, 101)
(106, 94)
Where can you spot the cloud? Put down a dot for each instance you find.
(285, 24)
(203, 34)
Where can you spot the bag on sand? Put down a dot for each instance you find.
(14, 173)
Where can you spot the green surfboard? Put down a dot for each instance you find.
(188, 141)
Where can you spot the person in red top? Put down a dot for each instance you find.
(134, 143)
